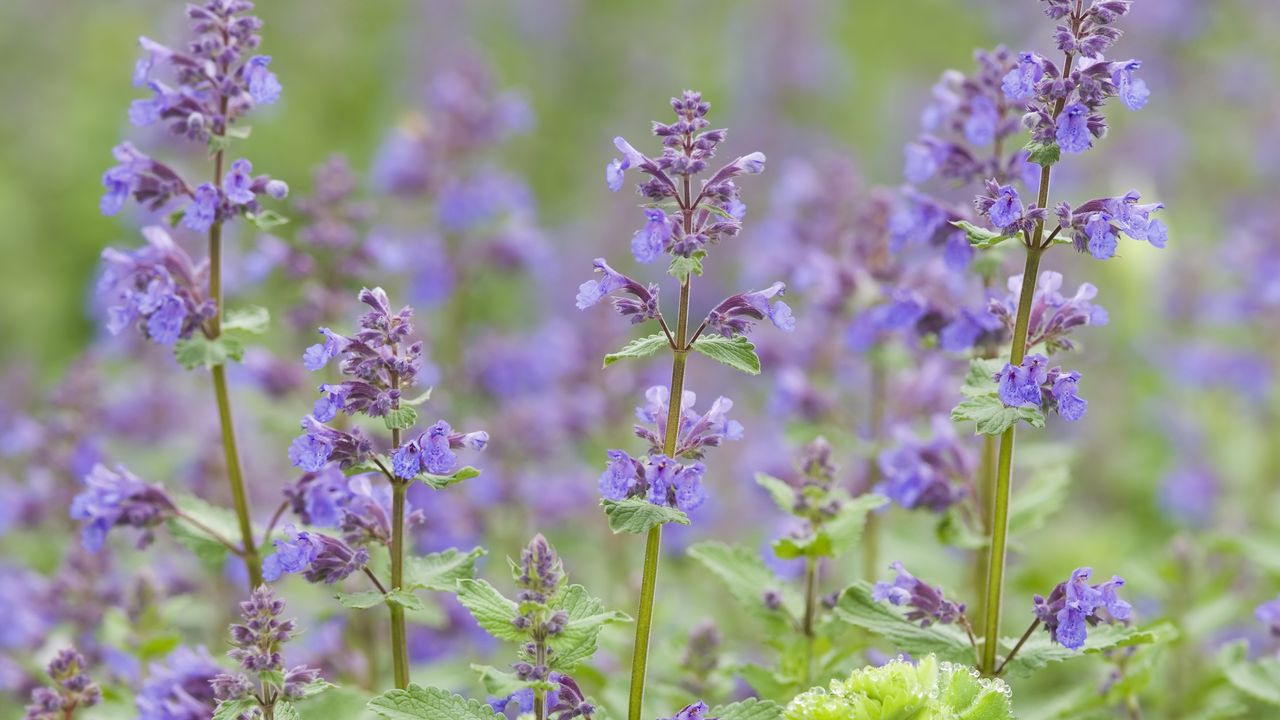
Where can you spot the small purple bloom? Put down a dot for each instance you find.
(264, 88)
(238, 184)
(1070, 406)
(980, 126)
(696, 711)
(649, 242)
(407, 461)
(1007, 209)
(202, 211)
(318, 355)
(1073, 129)
(1133, 91)
(1073, 607)
(310, 452)
(619, 477)
(927, 603)
(1102, 237)
(1268, 613)
(118, 497)
(1019, 84)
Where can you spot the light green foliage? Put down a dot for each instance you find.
(946, 641)
(427, 703)
(638, 348)
(737, 352)
(682, 267)
(221, 520)
(980, 237)
(751, 709)
(1259, 679)
(238, 327)
(899, 690)
(638, 516)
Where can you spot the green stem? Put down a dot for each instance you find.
(653, 544)
(230, 451)
(984, 491)
(399, 636)
(1004, 462)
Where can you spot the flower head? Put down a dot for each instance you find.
(117, 497)
(1073, 607)
(927, 603)
(735, 315)
(180, 687)
(643, 305)
(72, 689)
(319, 557)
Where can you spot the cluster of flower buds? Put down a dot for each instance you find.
(72, 689)
(641, 306)
(432, 451)
(1035, 384)
(256, 646)
(1053, 315)
(687, 146)
(319, 557)
(117, 497)
(696, 432)
(657, 478)
(180, 687)
(1063, 104)
(933, 474)
(968, 120)
(156, 288)
(737, 313)
(1074, 606)
(927, 604)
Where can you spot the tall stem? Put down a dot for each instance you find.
(540, 696)
(984, 492)
(1004, 463)
(399, 636)
(230, 451)
(653, 543)
(871, 532)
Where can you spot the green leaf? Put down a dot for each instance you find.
(233, 709)
(493, 612)
(737, 352)
(200, 351)
(425, 396)
(1043, 154)
(440, 482)
(846, 528)
(401, 418)
(948, 642)
(587, 617)
(682, 267)
(1259, 680)
(441, 571)
(367, 466)
(284, 710)
(751, 709)
(980, 237)
(993, 417)
(499, 683)
(313, 688)
(339, 702)
(783, 494)
(1044, 494)
(252, 320)
(221, 520)
(1039, 651)
(426, 703)
(638, 348)
(637, 515)
(815, 546)
(747, 578)
(266, 219)
(360, 600)
(980, 380)
(406, 599)
(239, 132)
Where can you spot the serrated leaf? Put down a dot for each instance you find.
(200, 351)
(266, 219)
(440, 482)
(992, 417)
(221, 520)
(587, 617)
(406, 599)
(946, 641)
(441, 571)
(1043, 154)
(747, 578)
(751, 709)
(360, 600)
(1259, 680)
(401, 418)
(423, 397)
(284, 710)
(737, 352)
(846, 528)
(681, 267)
(493, 612)
(233, 709)
(980, 379)
(637, 515)
(638, 348)
(1039, 651)
(339, 702)
(980, 237)
(783, 494)
(313, 688)
(252, 320)
(426, 703)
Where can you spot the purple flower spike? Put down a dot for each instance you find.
(1073, 129)
(643, 307)
(238, 184)
(927, 604)
(113, 498)
(1073, 607)
(1133, 91)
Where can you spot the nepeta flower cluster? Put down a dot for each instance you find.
(1053, 315)
(927, 604)
(218, 83)
(1034, 384)
(264, 679)
(928, 474)
(695, 433)
(1074, 606)
(157, 288)
(114, 498)
(319, 557)
(180, 688)
(72, 689)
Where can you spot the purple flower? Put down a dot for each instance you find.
(616, 168)
(980, 126)
(238, 183)
(1070, 406)
(179, 688)
(310, 452)
(118, 498)
(1268, 613)
(320, 558)
(1073, 607)
(317, 356)
(264, 88)
(931, 475)
(1007, 209)
(1019, 84)
(1073, 129)
(256, 645)
(72, 689)
(695, 432)
(675, 485)
(1133, 91)
(643, 307)
(1020, 386)
(1102, 238)
(927, 603)
(735, 314)
(650, 241)
(1054, 316)
(202, 211)
(696, 711)
(922, 161)
(619, 479)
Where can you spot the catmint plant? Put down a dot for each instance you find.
(72, 689)
(380, 363)
(1062, 109)
(201, 93)
(682, 221)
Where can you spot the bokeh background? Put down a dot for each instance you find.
(1173, 472)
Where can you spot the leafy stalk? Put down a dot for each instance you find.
(399, 636)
